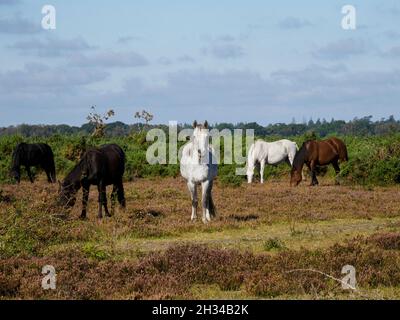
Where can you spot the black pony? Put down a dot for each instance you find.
(36, 155)
(98, 166)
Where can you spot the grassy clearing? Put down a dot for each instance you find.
(260, 230)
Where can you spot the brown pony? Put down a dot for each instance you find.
(318, 153)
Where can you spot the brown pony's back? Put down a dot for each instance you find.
(340, 147)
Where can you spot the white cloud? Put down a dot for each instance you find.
(393, 52)
(224, 51)
(232, 95)
(109, 59)
(293, 23)
(51, 46)
(186, 59)
(9, 2)
(40, 79)
(341, 49)
(18, 25)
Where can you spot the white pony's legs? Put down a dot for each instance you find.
(206, 212)
(193, 194)
(205, 189)
(250, 165)
(262, 167)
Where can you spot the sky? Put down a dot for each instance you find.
(221, 61)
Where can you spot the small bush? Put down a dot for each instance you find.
(273, 244)
(93, 251)
(228, 177)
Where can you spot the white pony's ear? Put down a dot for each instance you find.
(206, 124)
(195, 124)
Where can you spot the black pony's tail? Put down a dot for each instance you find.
(52, 166)
(211, 206)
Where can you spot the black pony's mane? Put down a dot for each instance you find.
(75, 173)
(83, 164)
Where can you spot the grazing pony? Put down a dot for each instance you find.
(318, 153)
(36, 155)
(98, 166)
(198, 165)
(269, 153)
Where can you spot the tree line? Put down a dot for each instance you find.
(364, 126)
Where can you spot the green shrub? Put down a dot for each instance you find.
(373, 160)
(274, 244)
(93, 251)
(228, 177)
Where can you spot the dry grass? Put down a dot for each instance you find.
(258, 228)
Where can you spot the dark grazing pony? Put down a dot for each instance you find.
(98, 166)
(36, 155)
(318, 153)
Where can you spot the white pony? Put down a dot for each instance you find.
(198, 165)
(269, 153)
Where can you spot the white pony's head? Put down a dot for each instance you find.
(249, 173)
(201, 139)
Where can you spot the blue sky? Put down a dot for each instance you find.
(224, 61)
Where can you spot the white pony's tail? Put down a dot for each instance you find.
(292, 153)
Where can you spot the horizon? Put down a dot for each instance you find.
(225, 62)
